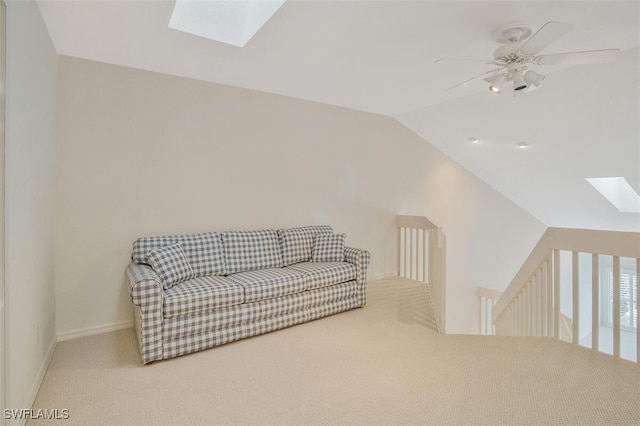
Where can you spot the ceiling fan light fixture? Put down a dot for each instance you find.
(533, 78)
(496, 83)
(519, 82)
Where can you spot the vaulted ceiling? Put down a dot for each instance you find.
(378, 56)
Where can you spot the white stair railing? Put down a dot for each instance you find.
(422, 256)
(576, 285)
(487, 299)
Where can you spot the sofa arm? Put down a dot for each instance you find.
(145, 291)
(145, 287)
(361, 259)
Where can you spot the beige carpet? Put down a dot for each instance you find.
(379, 365)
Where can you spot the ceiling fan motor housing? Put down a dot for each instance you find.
(511, 33)
(508, 54)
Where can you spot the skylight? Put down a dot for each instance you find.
(619, 193)
(231, 21)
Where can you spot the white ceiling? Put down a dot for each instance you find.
(377, 56)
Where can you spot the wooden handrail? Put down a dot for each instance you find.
(417, 222)
(489, 293)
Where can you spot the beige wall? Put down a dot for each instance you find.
(142, 153)
(29, 189)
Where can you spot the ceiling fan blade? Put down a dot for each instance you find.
(473, 78)
(550, 32)
(579, 58)
(479, 61)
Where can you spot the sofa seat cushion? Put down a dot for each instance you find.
(200, 295)
(323, 274)
(269, 283)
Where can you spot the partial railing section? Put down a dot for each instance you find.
(580, 286)
(487, 299)
(422, 257)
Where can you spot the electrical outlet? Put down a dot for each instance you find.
(37, 339)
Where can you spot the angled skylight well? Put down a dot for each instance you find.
(226, 21)
(619, 193)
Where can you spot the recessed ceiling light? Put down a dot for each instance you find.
(522, 145)
(474, 140)
(231, 22)
(619, 193)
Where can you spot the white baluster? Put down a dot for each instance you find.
(616, 306)
(576, 297)
(538, 311)
(595, 301)
(556, 294)
(543, 301)
(407, 252)
(425, 255)
(550, 309)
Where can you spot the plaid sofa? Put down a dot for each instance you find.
(193, 292)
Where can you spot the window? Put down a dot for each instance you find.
(628, 300)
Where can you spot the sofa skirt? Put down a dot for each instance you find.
(181, 336)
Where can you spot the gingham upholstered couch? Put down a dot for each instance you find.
(193, 292)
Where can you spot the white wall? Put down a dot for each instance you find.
(29, 188)
(488, 236)
(141, 153)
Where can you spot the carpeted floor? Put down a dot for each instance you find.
(379, 365)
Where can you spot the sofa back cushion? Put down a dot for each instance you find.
(251, 250)
(204, 252)
(297, 243)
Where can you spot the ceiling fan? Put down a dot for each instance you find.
(519, 53)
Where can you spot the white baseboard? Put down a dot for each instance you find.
(90, 331)
(31, 397)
